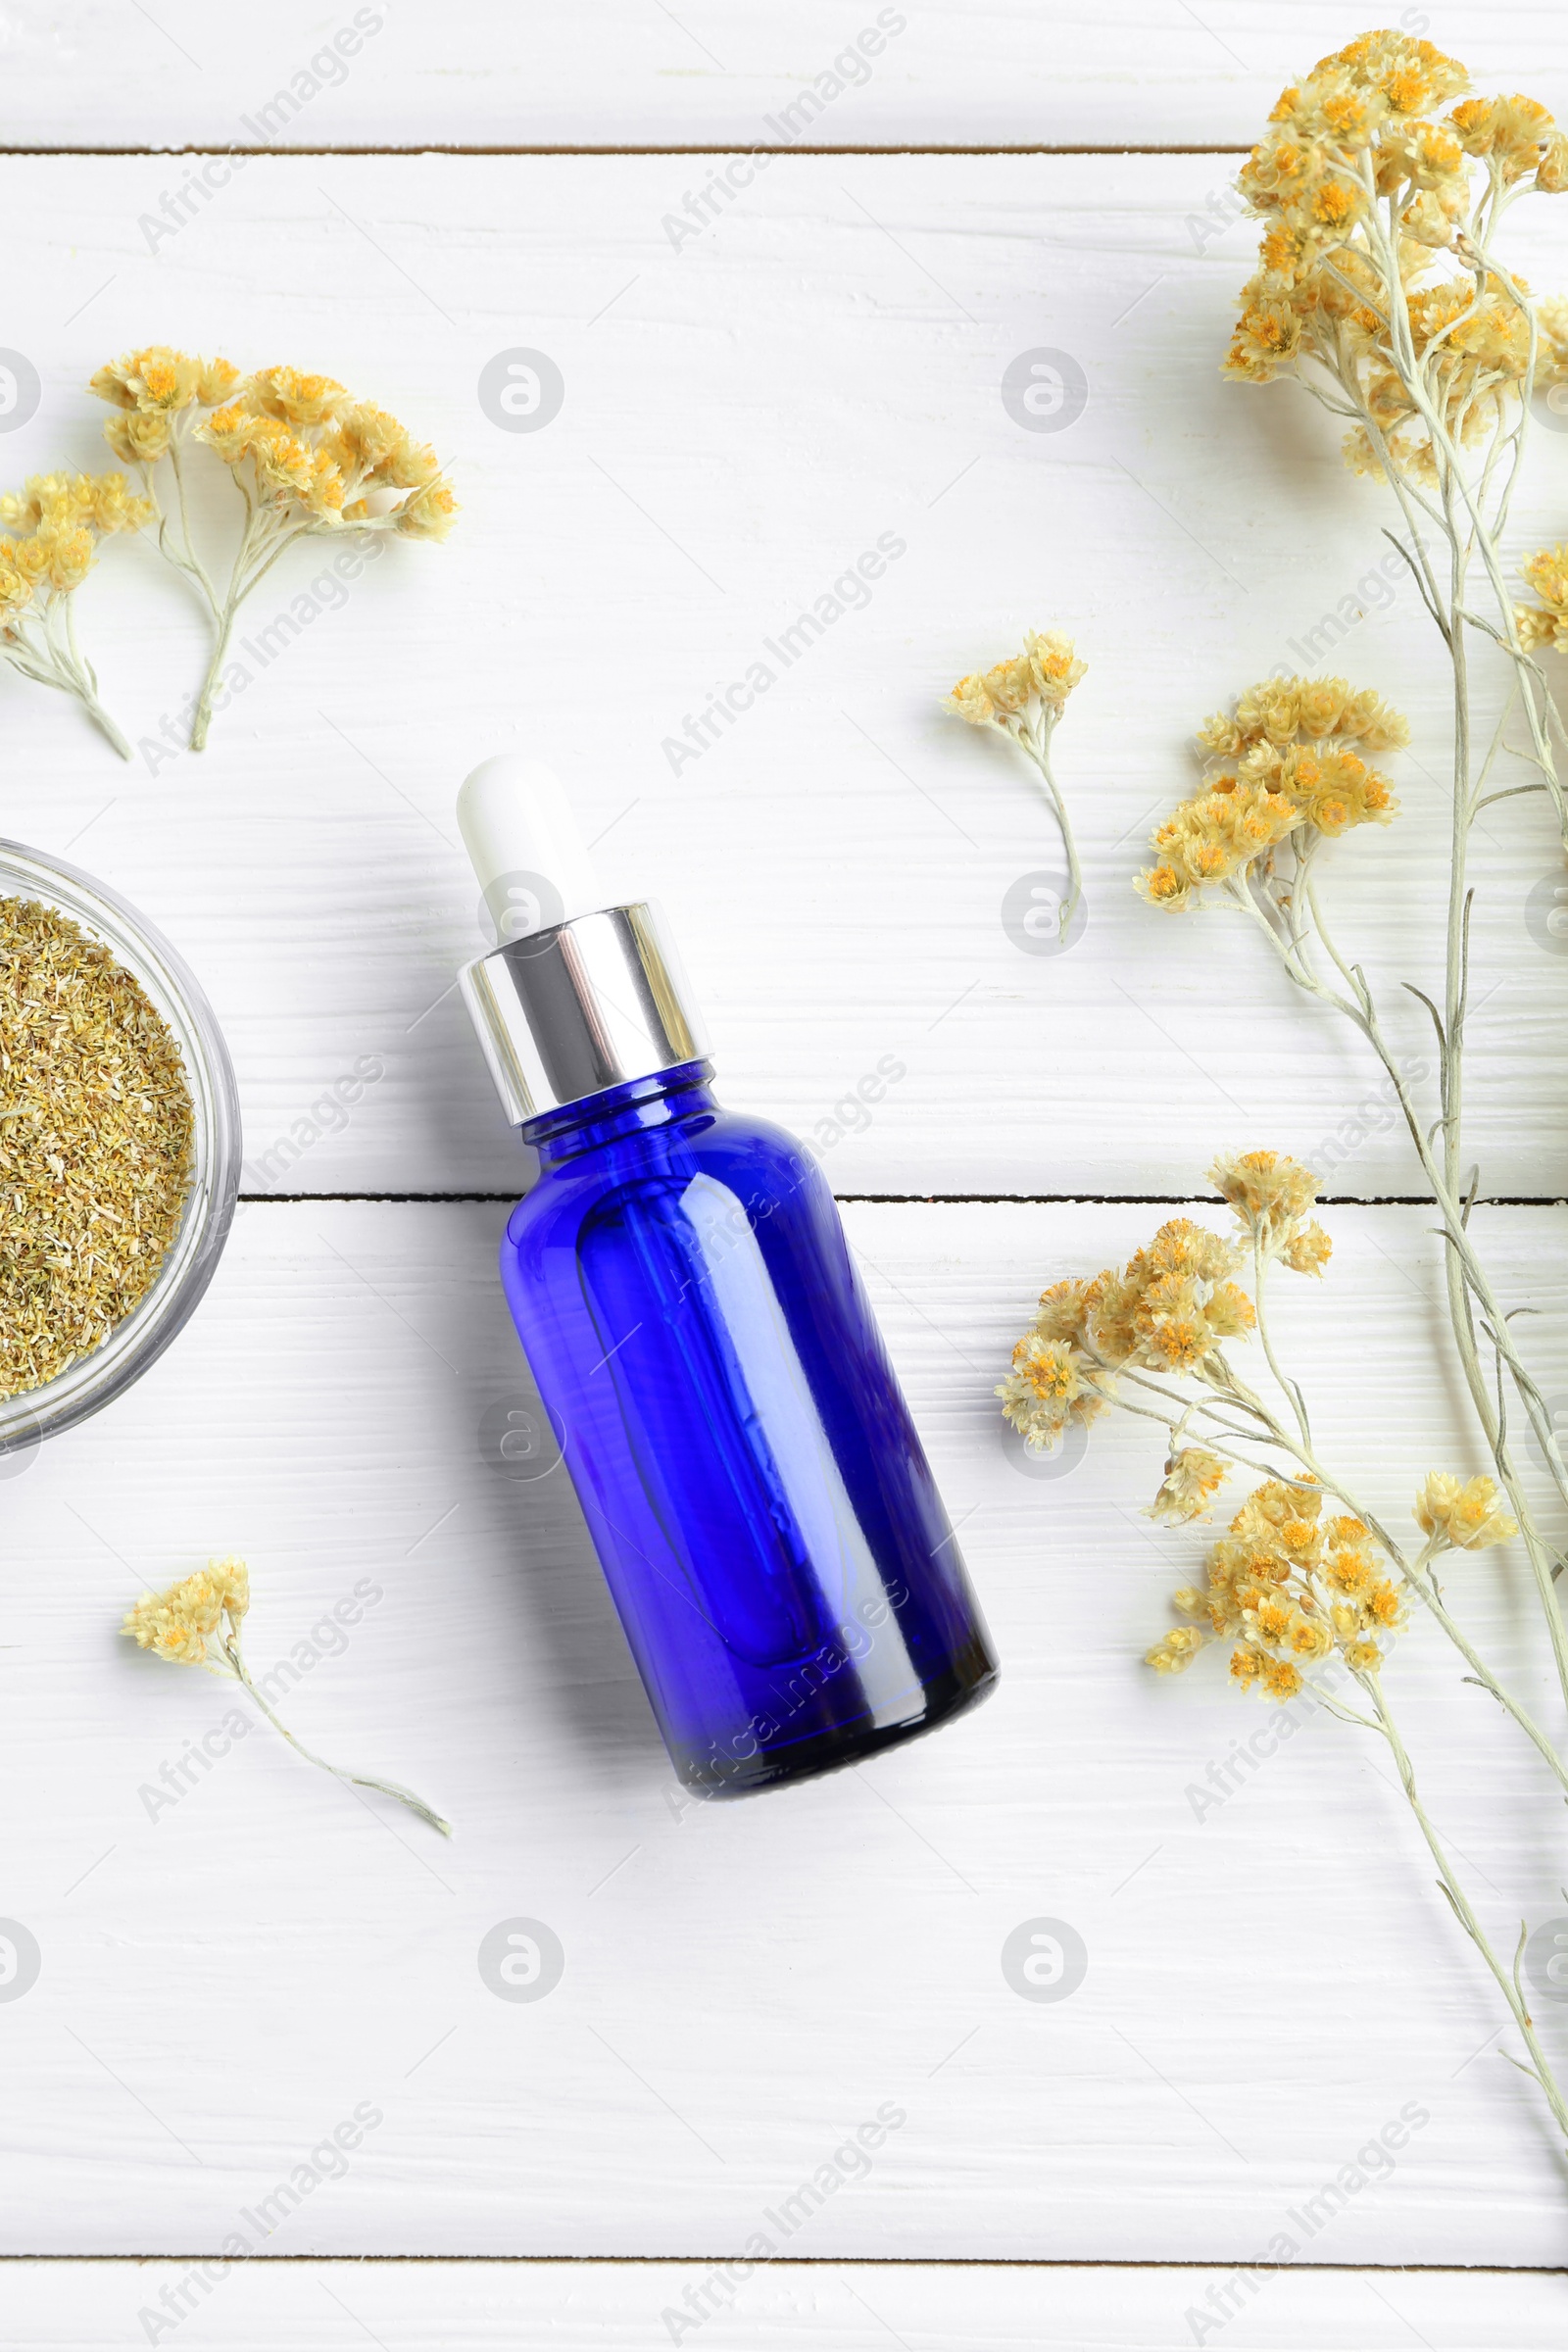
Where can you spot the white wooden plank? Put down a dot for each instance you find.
(744, 416)
(856, 2307)
(1271, 1980)
(730, 71)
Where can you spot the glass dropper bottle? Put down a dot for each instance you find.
(703, 1345)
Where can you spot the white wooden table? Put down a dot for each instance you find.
(1271, 1978)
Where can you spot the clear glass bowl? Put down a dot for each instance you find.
(94, 1381)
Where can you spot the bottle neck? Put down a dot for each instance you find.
(620, 1112)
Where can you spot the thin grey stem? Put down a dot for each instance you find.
(356, 1780)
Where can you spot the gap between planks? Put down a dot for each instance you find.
(723, 147)
(834, 2262)
(952, 1200)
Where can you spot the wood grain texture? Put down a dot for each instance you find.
(632, 73)
(1271, 1978)
(472, 2307)
(743, 419)
(1272, 1982)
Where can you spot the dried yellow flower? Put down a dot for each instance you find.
(297, 399)
(1175, 1652)
(429, 513)
(1308, 1252)
(1051, 1383)
(1053, 664)
(1192, 1478)
(970, 700)
(1268, 1191)
(155, 381)
(1463, 1515)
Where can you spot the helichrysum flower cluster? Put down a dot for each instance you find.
(1270, 1195)
(1048, 668)
(185, 1624)
(61, 517)
(307, 455)
(1289, 1589)
(1023, 697)
(1356, 139)
(302, 442)
(312, 449)
(1168, 1312)
(51, 531)
(197, 1623)
(1292, 757)
(152, 388)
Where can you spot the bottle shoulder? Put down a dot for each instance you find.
(762, 1164)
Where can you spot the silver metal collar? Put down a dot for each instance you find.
(583, 1006)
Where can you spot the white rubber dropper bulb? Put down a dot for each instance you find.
(526, 847)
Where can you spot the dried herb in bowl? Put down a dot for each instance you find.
(96, 1124)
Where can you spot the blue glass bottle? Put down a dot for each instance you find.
(679, 1277)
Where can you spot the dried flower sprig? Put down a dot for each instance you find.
(1381, 291)
(53, 526)
(1292, 1591)
(196, 1623)
(1375, 263)
(306, 457)
(1287, 741)
(1023, 698)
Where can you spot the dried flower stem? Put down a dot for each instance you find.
(1507, 1979)
(49, 654)
(1468, 1284)
(1382, 1721)
(266, 538)
(355, 1779)
(269, 533)
(1033, 737)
